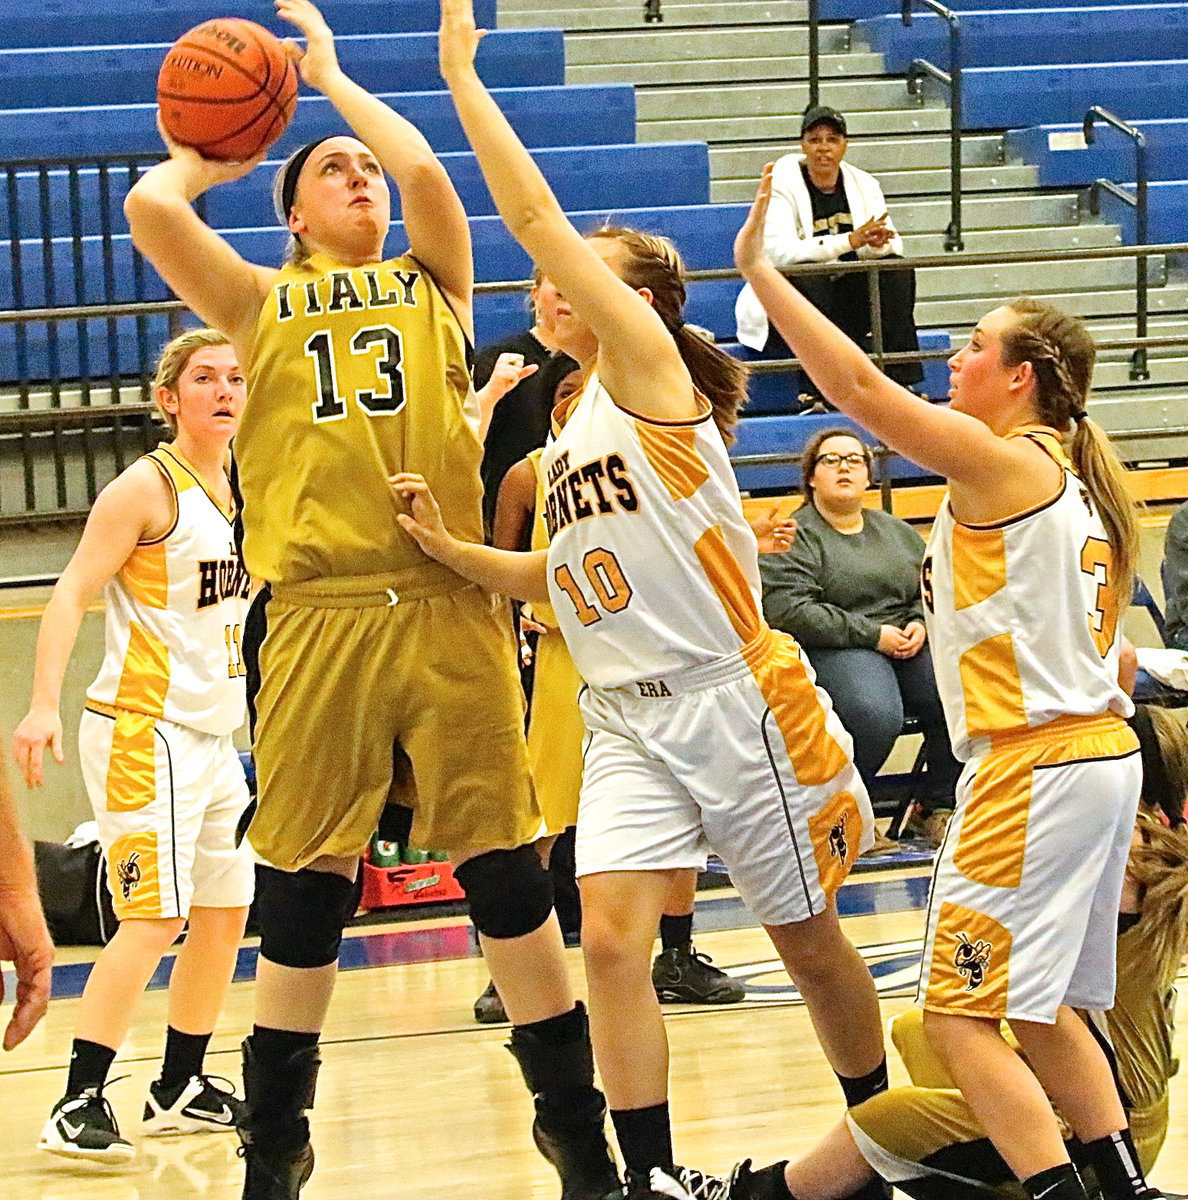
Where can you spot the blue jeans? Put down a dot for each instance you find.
(872, 693)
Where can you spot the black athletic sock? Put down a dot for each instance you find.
(862, 1087)
(768, 1183)
(89, 1064)
(645, 1137)
(561, 1030)
(184, 1053)
(1056, 1183)
(676, 933)
(1116, 1164)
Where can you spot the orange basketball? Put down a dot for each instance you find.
(227, 89)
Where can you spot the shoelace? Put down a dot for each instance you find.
(700, 1186)
(94, 1096)
(213, 1082)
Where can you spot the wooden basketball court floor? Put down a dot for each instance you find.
(416, 1101)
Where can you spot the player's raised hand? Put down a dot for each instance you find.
(748, 245)
(423, 522)
(40, 729)
(457, 39)
(318, 62)
(201, 174)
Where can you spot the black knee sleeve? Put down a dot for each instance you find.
(509, 892)
(301, 915)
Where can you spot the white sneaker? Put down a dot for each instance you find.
(202, 1106)
(83, 1126)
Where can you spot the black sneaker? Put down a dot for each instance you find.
(488, 1008)
(83, 1126)
(702, 1186)
(200, 1105)
(686, 977)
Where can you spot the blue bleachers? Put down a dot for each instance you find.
(582, 177)
(1111, 156)
(1167, 212)
(855, 10)
(108, 22)
(1004, 97)
(1001, 38)
(789, 435)
(576, 115)
(380, 62)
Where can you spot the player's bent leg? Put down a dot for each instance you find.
(511, 904)
(301, 914)
(840, 996)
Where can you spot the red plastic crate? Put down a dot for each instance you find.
(424, 883)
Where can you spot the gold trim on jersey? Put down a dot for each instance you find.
(991, 687)
(707, 411)
(970, 968)
(132, 873)
(132, 768)
(1060, 739)
(994, 827)
(146, 574)
(782, 679)
(185, 475)
(672, 454)
(145, 678)
(979, 564)
(167, 475)
(729, 583)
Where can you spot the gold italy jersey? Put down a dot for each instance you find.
(175, 616)
(652, 567)
(1020, 617)
(356, 373)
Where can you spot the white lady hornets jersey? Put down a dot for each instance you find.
(652, 567)
(1020, 616)
(175, 616)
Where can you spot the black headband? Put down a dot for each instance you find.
(288, 191)
(1157, 788)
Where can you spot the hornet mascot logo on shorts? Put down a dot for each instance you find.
(971, 960)
(128, 873)
(838, 846)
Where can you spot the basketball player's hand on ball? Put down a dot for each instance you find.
(201, 174)
(318, 62)
(748, 245)
(458, 39)
(41, 729)
(424, 521)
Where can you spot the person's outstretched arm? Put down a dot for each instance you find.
(24, 938)
(515, 573)
(434, 219)
(638, 359)
(952, 444)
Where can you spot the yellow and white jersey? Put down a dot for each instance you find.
(652, 566)
(1020, 617)
(175, 615)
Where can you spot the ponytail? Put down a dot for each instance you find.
(653, 262)
(1061, 352)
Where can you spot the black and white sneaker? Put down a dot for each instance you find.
(201, 1105)
(686, 977)
(684, 1183)
(83, 1126)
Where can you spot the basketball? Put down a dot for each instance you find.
(227, 89)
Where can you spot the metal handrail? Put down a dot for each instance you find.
(916, 72)
(814, 52)
(1138, 363)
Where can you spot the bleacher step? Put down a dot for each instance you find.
(776, 67)
(628, 14)
(768, 99)
(907, 183)
(1117, 302)
(785, 127)
(874, 155)
(661, 43)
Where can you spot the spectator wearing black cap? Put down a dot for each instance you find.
(825, 210)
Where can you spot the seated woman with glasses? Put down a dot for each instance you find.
(849, 592)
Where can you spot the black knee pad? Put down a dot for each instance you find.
(509, 892)
(301, 915)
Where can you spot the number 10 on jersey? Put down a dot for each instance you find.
(612, 592)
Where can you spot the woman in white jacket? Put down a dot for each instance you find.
(824, 210)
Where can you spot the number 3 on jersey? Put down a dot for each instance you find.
(1097, 562)
(612, 592)
(388, 397)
